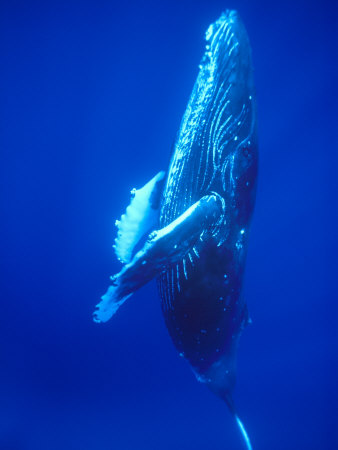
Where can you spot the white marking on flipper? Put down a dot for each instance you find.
(108, 305)
(138, 219)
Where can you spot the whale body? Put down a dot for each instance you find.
(215, 152)
(200, 212)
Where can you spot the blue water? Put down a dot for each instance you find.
(92, 94)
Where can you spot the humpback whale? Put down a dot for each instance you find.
(196, 217)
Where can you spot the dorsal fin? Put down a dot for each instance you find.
(140, 217)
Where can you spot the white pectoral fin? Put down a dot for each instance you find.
(109, 304)
(163, 247)
(140, 217)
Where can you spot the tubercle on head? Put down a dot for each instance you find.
(228, 16)
(219, 35)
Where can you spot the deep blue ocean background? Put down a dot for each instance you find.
(92, 94)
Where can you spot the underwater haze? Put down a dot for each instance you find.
(92, 95)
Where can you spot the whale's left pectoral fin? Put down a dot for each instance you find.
(163, 247)
(141, 216)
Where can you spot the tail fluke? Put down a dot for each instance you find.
(230, 403)
(243, 432)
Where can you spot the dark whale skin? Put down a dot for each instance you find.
(215, 152)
